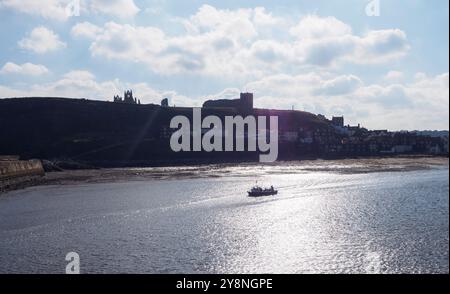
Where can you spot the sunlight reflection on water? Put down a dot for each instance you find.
(321, 222)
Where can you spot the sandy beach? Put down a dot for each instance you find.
(347, 166)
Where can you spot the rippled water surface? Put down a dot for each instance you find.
(321, 222)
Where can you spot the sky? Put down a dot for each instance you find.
(381, 63)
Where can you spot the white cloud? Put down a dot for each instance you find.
(420, 76)
(73, 84)
(49, 9)
(420, 104)
(86, 29)
(393, 75)
(392, 96)
(238, 23)
(84, 84)
(213, 44)
(242, 44)
(375, 47)
(263, 18)
(8, 92)
(315, 27)
(304, 86)
(61, 9)
(228, 93)
(119, 8)
(432, 91)
(285, 63)
(382, 46)
(325, 52)
(270, 51)
(340, 85)
(24, 69)
(41, 40)
(79, 75)
(416, 105)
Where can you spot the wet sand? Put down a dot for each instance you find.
(347, 166)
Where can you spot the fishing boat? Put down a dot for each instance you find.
(257, 191)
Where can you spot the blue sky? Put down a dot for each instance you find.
(330, 57)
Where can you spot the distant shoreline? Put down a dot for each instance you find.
(80, 134)
(338, 166)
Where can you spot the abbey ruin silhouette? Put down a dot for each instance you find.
(128, 98)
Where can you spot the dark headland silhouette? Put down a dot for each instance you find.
(88, 133)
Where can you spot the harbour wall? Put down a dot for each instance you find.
(15, 173)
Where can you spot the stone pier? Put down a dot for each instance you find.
(15, 173)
